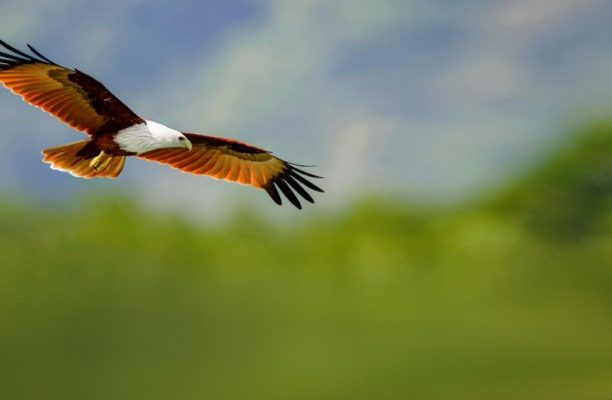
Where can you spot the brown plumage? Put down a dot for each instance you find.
(71, 96)
(238, 162)
(116, 132)
(64, 158)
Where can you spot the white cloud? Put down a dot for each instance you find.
(531, 17)
(495, 62)
(32, 18)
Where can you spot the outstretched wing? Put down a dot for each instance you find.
(239, 162)
(69, 95)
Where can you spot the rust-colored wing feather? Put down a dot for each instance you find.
(69, 95)
(239, 162)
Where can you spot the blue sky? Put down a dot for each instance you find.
(430, 100)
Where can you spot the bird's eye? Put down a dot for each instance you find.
(181, 138)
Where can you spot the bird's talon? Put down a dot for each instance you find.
(100, 162)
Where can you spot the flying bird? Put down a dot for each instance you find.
(116, 132)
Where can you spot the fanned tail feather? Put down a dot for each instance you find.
(65, 158)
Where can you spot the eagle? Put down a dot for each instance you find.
(116, 132)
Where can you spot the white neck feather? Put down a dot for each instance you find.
(147, 136)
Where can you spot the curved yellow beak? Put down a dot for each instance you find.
(187, 144)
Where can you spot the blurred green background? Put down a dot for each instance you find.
(505, 296)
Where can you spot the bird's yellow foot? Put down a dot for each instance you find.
(100, 162)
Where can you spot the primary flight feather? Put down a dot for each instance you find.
(116, 132)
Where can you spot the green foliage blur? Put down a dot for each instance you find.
(508, 297)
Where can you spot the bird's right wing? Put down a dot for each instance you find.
(69, 95)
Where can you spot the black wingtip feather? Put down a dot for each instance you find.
(306, 173)
(290, 183)
(296, 186)
(280, 182)
(17, 51)
(301, 165)
(273, 192)
(13, 57)
(39, 54)
(307, 183)
(18, 57)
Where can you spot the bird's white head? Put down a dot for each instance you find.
(167, 137)
(150, 135)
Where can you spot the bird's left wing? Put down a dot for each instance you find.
(73, 97)
(238, 162)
